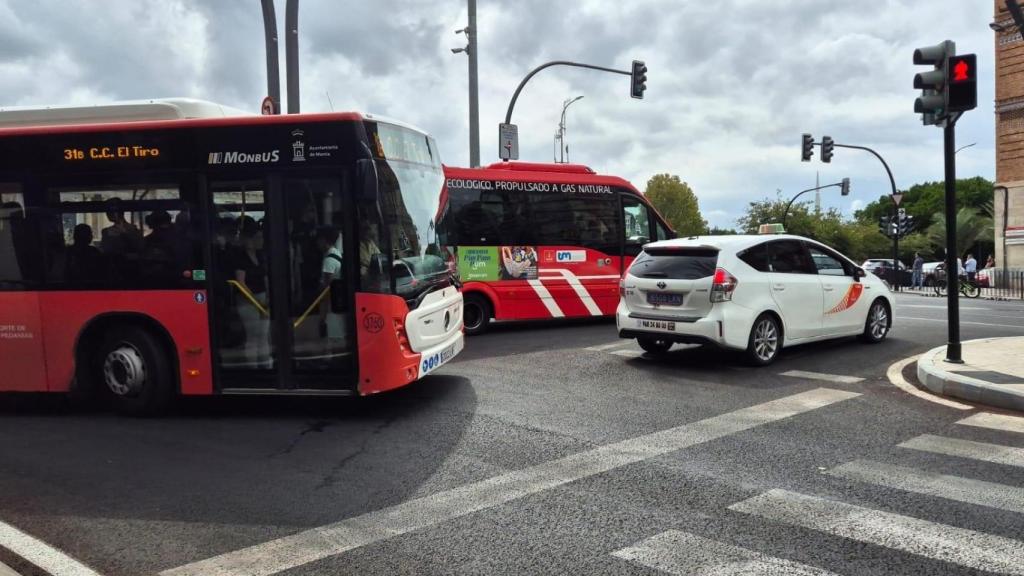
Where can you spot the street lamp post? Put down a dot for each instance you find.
(474, 106)
(563, 149)
(962, 147)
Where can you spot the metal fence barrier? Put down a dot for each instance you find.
(995, 284)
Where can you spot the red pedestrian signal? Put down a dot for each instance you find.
(962, 88)
(960, 71)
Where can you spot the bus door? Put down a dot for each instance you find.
(280, 284)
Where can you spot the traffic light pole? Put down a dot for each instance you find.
(785, 214)
(952, 269)
(896, 249)
(515, 96)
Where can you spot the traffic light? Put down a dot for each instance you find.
(932, 103)
(639, 80)
(906, 225)
(844, 187)
(827, 145)
(883, 225)
(808, 150)
(961, 83)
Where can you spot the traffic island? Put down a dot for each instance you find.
(992, 372)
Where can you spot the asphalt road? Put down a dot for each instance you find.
(544, 449)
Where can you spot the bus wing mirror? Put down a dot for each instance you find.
(366, 179)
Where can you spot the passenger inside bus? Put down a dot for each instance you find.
(84, 263)
(250, 272)
(121, 237)
(331, 323)
(12, 243)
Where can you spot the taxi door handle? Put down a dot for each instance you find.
(779, 287)
(829, 288)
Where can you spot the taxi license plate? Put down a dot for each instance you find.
(664, 299)
(438, 359)
(657, 325)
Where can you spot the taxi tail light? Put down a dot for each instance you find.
(723, 285)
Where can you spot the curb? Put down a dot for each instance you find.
(6, 570)
(933, 377)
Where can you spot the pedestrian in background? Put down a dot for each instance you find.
(971, 268)
(917, 280)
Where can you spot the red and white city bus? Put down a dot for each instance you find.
(289, 254)
(536, 241)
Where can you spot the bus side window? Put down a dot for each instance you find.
(20, 259)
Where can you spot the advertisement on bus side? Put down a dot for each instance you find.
(491, 263)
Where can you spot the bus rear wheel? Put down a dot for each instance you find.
(134, 371)
(476, 313)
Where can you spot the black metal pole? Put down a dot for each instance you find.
(896, 247)
(785, 214)
(952, 269)
(515, 95)
(291, 53)
(273, 69)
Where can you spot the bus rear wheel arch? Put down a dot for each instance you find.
(127, 363)
(477, 312)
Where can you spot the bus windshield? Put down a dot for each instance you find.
(411, 180)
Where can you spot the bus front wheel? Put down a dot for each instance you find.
(134, 371)
(476, 313)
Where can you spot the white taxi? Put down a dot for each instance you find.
(757, 294)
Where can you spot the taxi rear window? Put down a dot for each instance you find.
(675, 263)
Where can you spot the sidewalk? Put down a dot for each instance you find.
(6, 570)
(992, 372)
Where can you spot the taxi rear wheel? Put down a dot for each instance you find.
(654, 345)
(765, 341)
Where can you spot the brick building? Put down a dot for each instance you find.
(1009, 192)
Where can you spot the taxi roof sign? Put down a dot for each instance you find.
(771, 229)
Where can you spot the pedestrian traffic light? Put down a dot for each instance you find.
(844, 187)
(826, 149)
(932, 103)
(639, 80)
(808, 148)
(961, 83)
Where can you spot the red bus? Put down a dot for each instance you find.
(289, 254)
(536, 241)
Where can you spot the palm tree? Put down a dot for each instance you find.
(972, 226)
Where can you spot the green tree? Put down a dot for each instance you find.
(677, 203)
(973, 228)
(923, 201)
(716, 231)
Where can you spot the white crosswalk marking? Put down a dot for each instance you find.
(318, 543)
(41, 554)
(977, 492)
(824, 377)
(628, 353)
(932, 540)
(1003, 422)
(983, 451)
(683, 554)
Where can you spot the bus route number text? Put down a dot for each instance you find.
(110, 153)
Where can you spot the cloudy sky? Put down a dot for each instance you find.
(732, 83)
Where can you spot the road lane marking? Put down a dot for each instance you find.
(683, 554)
(943, 320)
(895, 375)
(319, 543)
(603, 347)
(995, 453)
(6, 570)
(628, 353)
(939, 307)
(967, 490)
(820, 376)
(1003, 422)
(41, 554)
(986, 552)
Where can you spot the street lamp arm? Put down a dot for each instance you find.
(515, 95)
(785, 214)
(892, 181)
